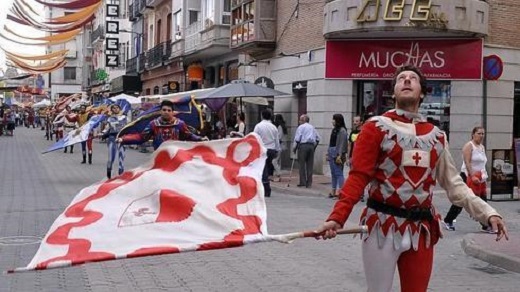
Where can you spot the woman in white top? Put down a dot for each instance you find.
(240, 127)
(473, 172)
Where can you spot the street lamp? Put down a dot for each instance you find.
(139, 41)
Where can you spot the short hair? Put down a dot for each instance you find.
(409, 67)
(167, 103)
(266, 114)
(113, 105)
(305, 118)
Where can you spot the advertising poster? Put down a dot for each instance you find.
(502, 174)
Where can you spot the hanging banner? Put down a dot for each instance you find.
(502, 174)
(378, 59)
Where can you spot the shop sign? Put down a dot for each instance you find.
(421, 11)
(173, 86)
(441, 59)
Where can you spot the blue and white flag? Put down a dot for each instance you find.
(78, 135)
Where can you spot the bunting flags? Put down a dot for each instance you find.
(62, 29)
(188, 197)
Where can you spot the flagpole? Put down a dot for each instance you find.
(290, 237)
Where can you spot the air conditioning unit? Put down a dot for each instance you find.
(226, 18)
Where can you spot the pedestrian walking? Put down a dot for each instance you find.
(306, 140)
(337, 153)
(269, 136)
(473, 172)
(403, 156)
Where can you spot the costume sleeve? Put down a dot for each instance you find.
(364, 161)
(188, 134)
(458, 192)
(139, 138)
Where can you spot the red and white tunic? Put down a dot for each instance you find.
(402, 156)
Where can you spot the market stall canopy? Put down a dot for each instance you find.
(197, 94)
(216, 98)
(131, 99)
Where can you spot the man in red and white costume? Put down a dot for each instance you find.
(402, 156)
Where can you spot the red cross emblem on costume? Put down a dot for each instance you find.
(415, 162)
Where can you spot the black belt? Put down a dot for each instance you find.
(414, 214)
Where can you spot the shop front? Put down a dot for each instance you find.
(366, 41)
(370, 64)
(125, 84)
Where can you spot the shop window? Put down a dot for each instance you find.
(516, 113)
(148, 91)
(242, 26)
(232, 71)
(375, 98)
(156, 90)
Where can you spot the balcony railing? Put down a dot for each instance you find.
(131, 66)
(98, 34)
(131, 12)
(142, 62)
(192, 37)
(155, 56)
(167, 50)
(177, 48)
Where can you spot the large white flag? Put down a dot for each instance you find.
(189, 196)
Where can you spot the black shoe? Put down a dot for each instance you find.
(300, 186)
(90, 158)
(109, 173)
(65, 151)
(84, 159)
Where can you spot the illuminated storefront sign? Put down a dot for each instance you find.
(378, 59)
(370, 10)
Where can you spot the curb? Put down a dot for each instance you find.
(498, 259)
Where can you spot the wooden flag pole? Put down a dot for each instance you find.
(290, 237)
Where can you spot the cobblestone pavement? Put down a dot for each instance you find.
(35, 189)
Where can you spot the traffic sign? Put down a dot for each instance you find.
(493, 67)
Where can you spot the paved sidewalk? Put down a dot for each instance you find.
(504, 254)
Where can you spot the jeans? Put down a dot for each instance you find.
(336, 171)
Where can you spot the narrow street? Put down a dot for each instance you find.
(36, 188)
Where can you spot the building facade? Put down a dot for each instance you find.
(339, 56)
(67, 80)
(107, 52)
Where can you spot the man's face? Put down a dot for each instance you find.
(407, 90)
(166, 113)
(82, 110)
(356, 122)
